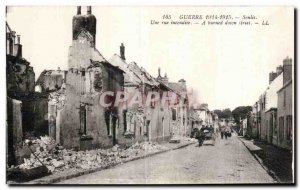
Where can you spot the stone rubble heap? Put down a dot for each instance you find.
(58, 98)
(57, 158)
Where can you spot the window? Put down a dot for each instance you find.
(173, 114)
(107, 116)
(152, 101)
(125, 120)
(275, 124)
(110, 125)
(284, 98)
(281, 129)
(82, 115)
(146, 132)
(289, 124)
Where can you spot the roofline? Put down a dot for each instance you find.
(271, 109)
(8, 27)
(285, 85)
(109, 64)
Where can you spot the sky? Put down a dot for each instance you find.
(226, 66)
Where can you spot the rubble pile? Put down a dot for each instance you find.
(57, 158)
(58, 98)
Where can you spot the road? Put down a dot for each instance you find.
(228, 161)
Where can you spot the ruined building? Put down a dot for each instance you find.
(20, 75)
(180, 111)
(145, 122)
(77, 120)
(26, 110)
(51, 80)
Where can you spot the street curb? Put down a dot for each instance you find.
(85, 172)
(259, 160)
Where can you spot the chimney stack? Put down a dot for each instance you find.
(165, 79)
(78, 10)
(89, 10)
(158, 72)
(272, 76)
(18, 39)
(287, 70)
(122, 51)
(279, 70)
(13, 33)
(182, 82)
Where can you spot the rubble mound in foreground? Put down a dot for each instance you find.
(56, 158)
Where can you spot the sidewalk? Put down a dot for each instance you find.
(75, 172)
(276, 161)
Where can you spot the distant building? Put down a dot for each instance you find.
(51, 80)
(255, 121)
(244, 123)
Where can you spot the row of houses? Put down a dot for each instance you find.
(66, 104)
(271, 119)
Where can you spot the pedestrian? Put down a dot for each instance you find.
(222, 131)
(227, 131)
(200, 136)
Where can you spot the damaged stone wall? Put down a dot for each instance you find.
(14, 129)
(86, 124)
(34, 115)
(51, 80)
(20, 77)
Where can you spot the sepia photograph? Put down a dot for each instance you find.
(150, 95)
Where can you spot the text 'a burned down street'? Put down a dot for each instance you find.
(99, 120)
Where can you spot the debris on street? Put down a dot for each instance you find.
(56, 158)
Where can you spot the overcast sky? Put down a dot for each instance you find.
(227, 66)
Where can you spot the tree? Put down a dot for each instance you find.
(241, 112)
(225, 113)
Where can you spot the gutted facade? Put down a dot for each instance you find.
(26, 110)
(81, 121)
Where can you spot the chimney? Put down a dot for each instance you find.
(182, 82)
(18, 39)
(272, 76)
(122, 51)
(287, 70)
(13, 33)
(78, 10)
(279, 70)
(89, 10)
(17, 48)
(158, 72)
(165, 79)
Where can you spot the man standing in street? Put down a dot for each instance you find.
(227, 131)
(222, 129)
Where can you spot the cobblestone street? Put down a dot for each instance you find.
(228, 161)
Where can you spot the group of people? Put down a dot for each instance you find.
(210, 133)
(225, 131)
